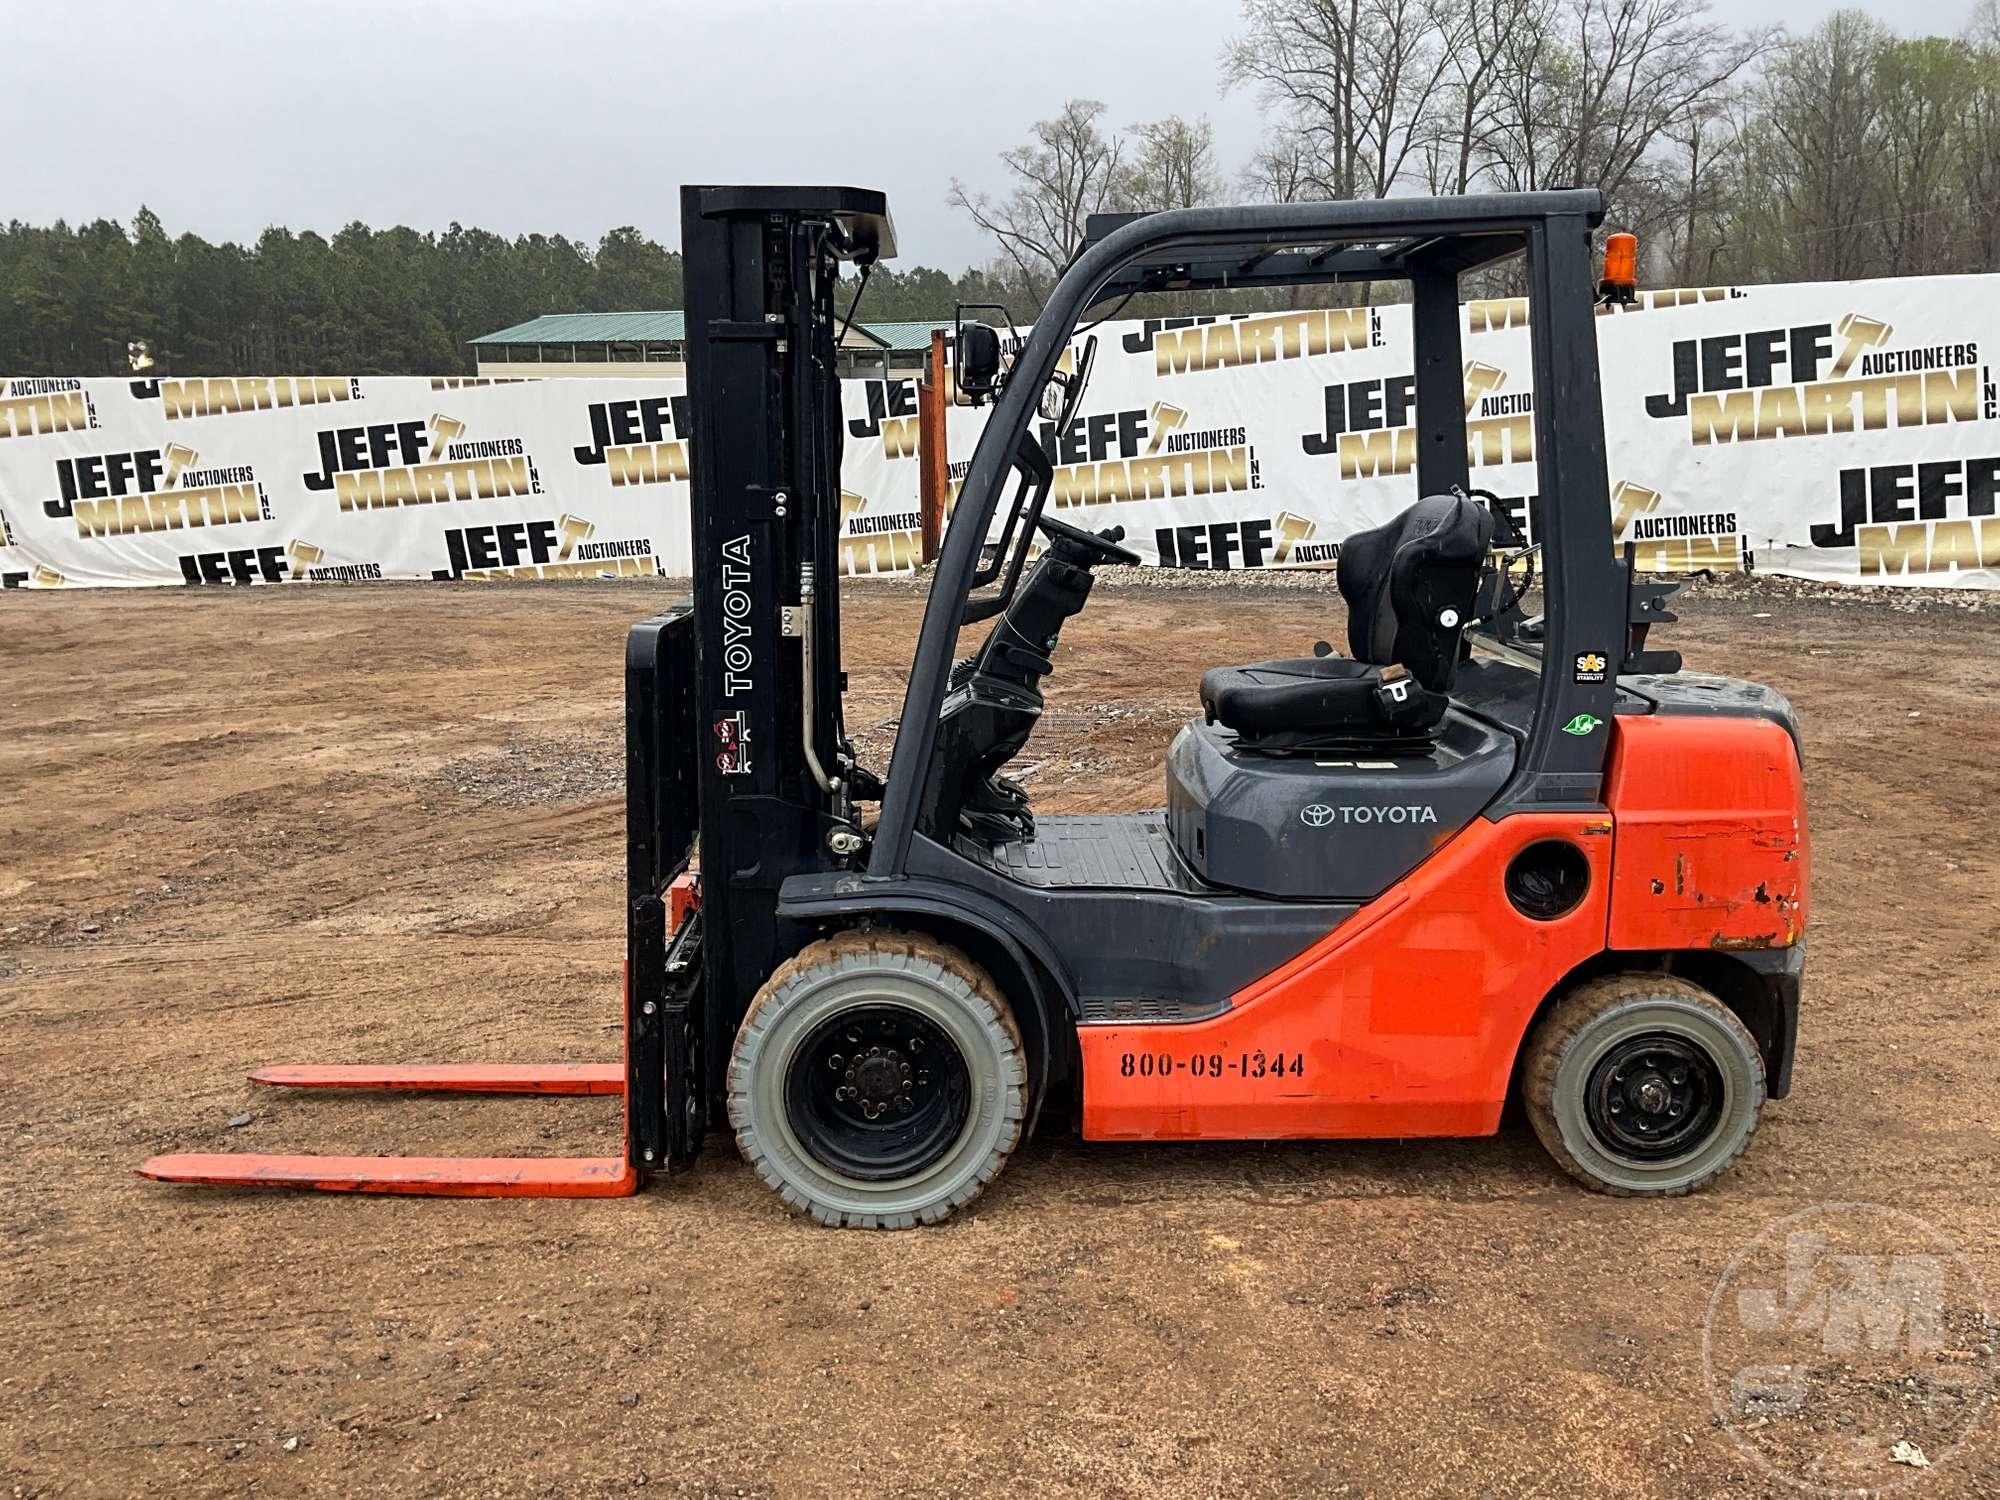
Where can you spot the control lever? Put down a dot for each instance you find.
(1096, 546)
(1645, 607)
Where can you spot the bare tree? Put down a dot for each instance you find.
(1279, 172)
(1735, 153)
(1693, 208)
(1979, 151)
(1982, 29)
(1066, 172)
(1590, 99)
(1174, 166)
(1478, 37)
(1805, 194)
(1629, 96)
(1352, 81)
(1923, 87)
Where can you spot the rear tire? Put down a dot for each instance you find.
(878, 1081)
(1643, 1085)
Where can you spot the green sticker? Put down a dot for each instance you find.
(1582, 724)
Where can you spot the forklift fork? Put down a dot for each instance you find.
(644, 1077)
(662, 1079)
(453, 1078)
(439, 1176)
(422, 1176)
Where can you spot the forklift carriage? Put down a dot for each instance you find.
(1482, 857)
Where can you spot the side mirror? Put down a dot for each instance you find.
(1064, 392)
(1054, 399)
(978, 361)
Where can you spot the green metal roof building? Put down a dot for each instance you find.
(613, 343)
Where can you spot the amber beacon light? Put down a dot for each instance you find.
(1621, 269)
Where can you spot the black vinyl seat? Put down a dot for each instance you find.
(1295, 701)
(1410, 587)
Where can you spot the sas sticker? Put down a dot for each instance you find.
(1589, 667)
(1582, 724)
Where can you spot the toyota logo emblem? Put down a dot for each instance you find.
(1316, 816)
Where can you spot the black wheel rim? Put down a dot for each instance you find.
(1654, 1097)
(878, 1093)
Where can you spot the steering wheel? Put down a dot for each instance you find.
(1102, 548)
(1506, 529)
(1506, 593)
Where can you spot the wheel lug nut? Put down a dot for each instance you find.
(835, 1062)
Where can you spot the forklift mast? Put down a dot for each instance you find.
(738, 764)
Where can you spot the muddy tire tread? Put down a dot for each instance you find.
(1562, 1025)
(867, 948)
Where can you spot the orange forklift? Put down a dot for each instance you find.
(1483, 856)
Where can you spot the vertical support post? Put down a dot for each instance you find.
(1441, 456)
(666, 1098)
(764, 496)
(1562, 766)
(933, 455)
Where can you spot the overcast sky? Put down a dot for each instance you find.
(575, 116)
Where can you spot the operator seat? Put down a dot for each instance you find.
(1410, 587)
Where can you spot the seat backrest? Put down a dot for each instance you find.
(1410, 585)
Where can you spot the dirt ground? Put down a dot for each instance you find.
(384, 823)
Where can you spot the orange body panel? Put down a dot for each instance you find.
(1402, 1021)
(1406, 1020)
(1712, 849)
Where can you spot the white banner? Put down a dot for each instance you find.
(1845, 431)
(339, 480)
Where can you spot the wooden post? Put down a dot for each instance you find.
(933, 401)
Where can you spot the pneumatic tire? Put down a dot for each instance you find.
(1643, 1085)
(878, 1081)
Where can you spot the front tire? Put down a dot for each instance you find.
(878, 1081)
(1643, 1085)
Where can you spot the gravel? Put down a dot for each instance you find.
(536, 770)
(1745, 588)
